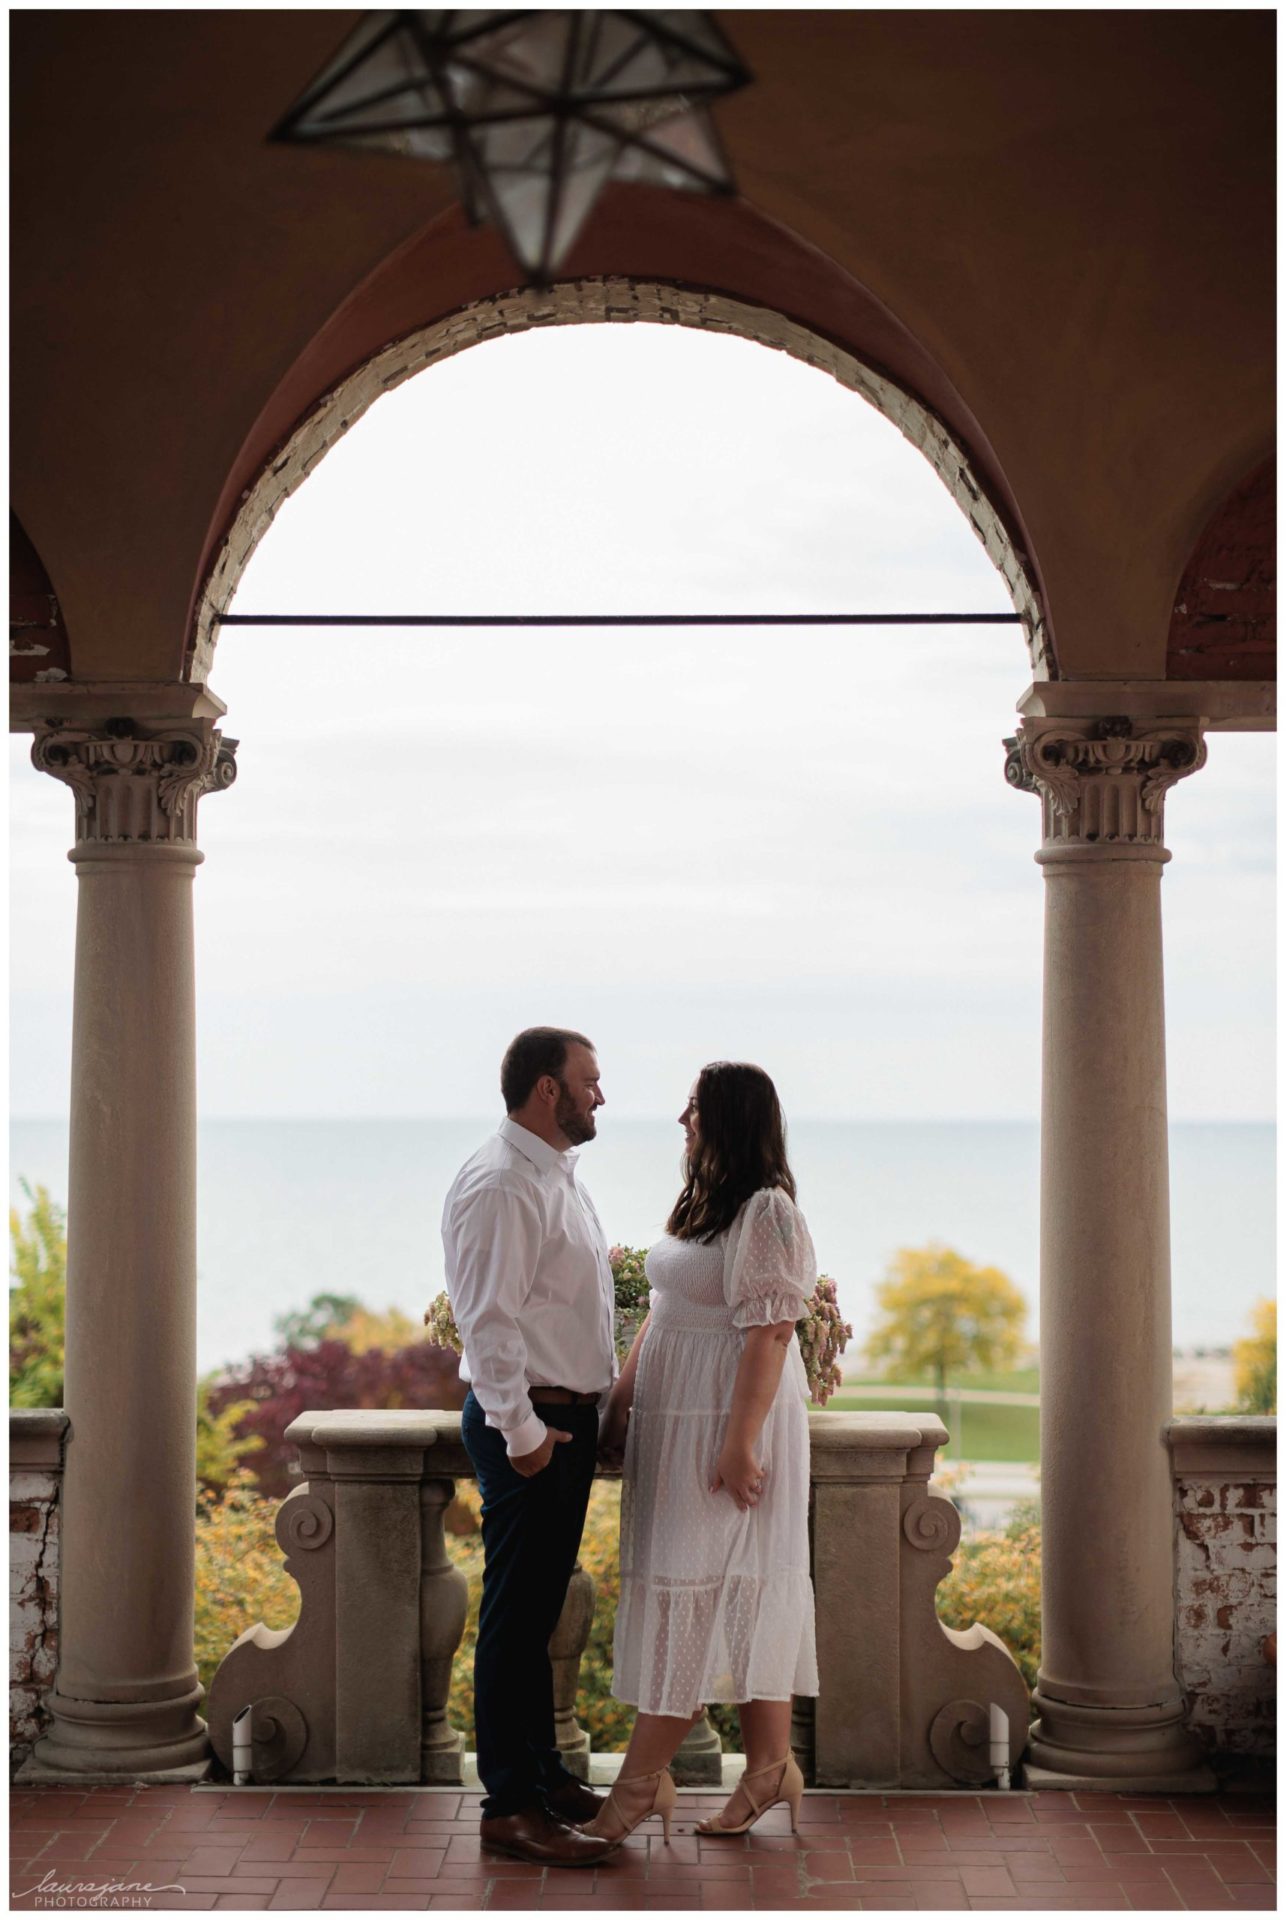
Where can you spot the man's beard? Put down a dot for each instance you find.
(576, 1127)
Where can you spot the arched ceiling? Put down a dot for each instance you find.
(1054, 227)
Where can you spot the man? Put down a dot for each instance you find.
(530, 1283)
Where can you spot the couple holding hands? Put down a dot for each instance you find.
(707, 1418)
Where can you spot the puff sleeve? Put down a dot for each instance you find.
(771, 1269)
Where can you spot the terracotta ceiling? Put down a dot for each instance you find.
(1055, 228)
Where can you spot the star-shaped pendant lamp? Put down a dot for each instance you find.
(536, 110)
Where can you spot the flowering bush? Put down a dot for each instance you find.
(823, 1336)
(632, 1294)
(240, 1573)
(995, 1578)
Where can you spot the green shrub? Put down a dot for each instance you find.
(240, 1571)
(995, 1578)
(37, 1301)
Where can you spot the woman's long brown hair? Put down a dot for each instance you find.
(740, 1147)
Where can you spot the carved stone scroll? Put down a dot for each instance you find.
(287, 1674)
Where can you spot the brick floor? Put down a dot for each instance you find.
(337, 1851)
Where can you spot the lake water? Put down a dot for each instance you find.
(290, 1208)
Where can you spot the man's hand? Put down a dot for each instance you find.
(529, 1464)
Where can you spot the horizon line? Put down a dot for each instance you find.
(653, 1118)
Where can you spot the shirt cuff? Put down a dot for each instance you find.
(526, 1436)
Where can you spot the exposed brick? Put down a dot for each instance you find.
(33, 1601)
(1225, 1565)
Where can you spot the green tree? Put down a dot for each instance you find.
(219, 1449)
(1255, 1361)
(941, 1315)
(37, 1302)
(37, 1339)
(309, 1326)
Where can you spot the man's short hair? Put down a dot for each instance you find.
(535, 1052)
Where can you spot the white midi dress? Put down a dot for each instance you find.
(716, 1604)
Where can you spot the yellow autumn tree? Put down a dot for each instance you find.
(362, 1329)
(1255, 1361)
(941, 1315)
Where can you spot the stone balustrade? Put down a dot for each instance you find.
(356, 1690)
(383, 1608)
(1225, 1523)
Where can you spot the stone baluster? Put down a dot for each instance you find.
(1111, 1711)
(699, 1760)
(126, 1696)
(444, 1603)
(567, 1645)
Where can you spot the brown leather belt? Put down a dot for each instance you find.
(562, 1397)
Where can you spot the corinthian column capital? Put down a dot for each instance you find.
(1102, 782)
(136, 786)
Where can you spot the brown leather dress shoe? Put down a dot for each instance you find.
(535, 1835)
(574, 1803)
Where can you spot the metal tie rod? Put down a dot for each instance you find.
(618, 619)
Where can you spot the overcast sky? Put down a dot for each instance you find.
(795, 847)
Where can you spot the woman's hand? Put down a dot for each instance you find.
(611, 1434)
(739, 1473)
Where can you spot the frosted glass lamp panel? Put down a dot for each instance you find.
(589, 158)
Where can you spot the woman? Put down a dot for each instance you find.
(716, 1602)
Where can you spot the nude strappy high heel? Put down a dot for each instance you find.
(611, 1822)
(790, 1788)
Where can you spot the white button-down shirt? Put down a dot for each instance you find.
(529, 1280)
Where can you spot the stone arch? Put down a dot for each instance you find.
(599, 301)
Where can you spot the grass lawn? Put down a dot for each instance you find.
(978, 1432)
(1021, 1380)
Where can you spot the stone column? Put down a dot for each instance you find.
(126, 1696)
(1110, 1709)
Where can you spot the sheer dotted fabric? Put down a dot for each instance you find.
(716, 1605)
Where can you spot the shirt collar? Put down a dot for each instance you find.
(545, 1158)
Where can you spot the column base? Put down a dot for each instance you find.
(1114, 1749)
(151, 1740)
(36, 1772)
(1196, 1780)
